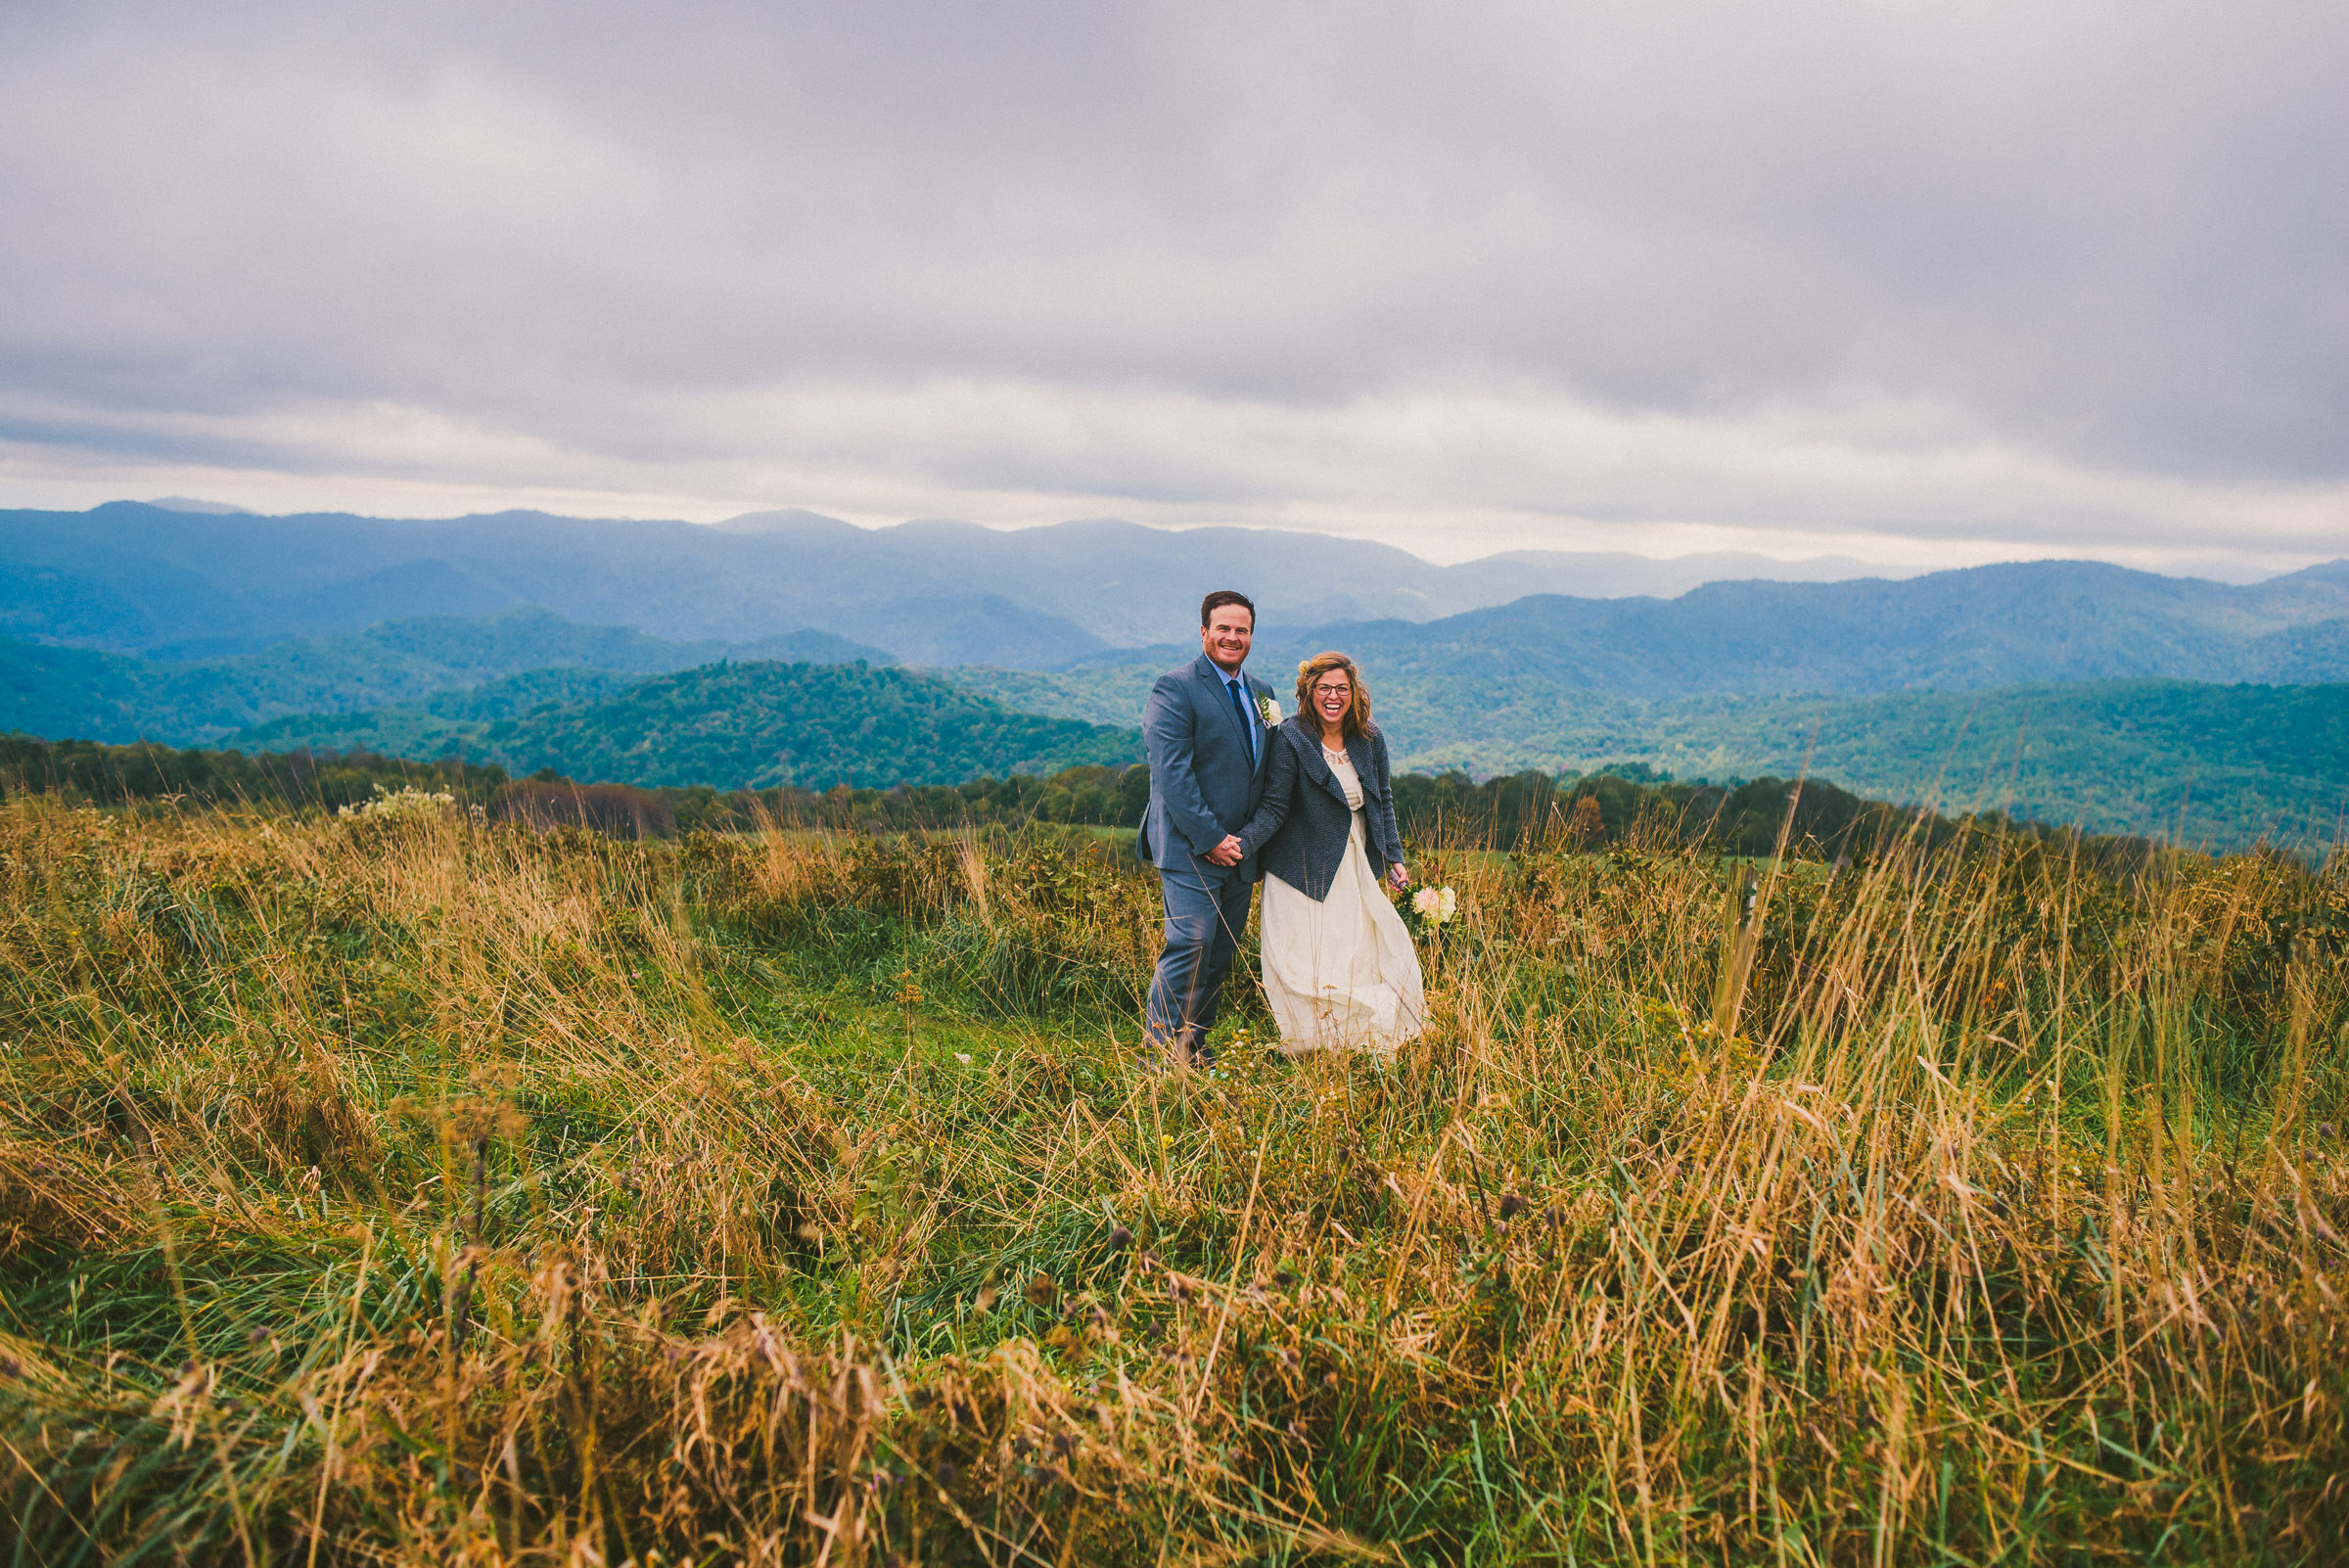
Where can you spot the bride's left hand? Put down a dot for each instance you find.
(1400, 875)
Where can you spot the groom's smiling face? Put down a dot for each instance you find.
(1226, 635)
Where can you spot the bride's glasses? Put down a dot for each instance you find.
(1339, 688)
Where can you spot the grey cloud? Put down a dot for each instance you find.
(2111, 237)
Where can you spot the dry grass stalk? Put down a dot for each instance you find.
(438, 1191)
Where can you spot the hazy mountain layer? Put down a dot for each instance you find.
(2206, 763)
(132, 578)
(1493, 672)
(449, 723)
(2224, 764)
(59, 692)
(729, 725)
(2220, 765)
(135, 577)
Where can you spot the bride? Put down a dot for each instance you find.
(1339, 968)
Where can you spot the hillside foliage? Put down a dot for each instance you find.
(2215, 767)
(759, 725)
(728, 725)
(70, 692)
(1813, 818)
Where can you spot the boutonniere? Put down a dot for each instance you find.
(1267, 710)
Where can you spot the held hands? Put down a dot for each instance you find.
(1228, 853)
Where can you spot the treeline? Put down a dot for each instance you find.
(1819, 819)
(1816, 820)
(118, 775)
(95, 773)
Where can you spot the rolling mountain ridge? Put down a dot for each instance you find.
(129, 578)
(2124, 697)
(751, 725)
(2201, 763)
(132, 578)
(59, 692)
(1982, 627)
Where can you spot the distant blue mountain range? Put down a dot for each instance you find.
(134, 578)
(133, 622)
(59, 692)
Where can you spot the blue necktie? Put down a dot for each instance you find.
(1239, 705)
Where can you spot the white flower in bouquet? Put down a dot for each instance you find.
(1436, 905)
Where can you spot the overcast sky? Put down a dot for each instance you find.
(1922, 282)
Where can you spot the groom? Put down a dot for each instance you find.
(1206, 727)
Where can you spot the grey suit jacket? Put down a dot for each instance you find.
(1203, 782)
(1299, 828)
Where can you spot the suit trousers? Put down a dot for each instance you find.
(1207, 909)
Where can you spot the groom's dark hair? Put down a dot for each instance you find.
(1219, 599)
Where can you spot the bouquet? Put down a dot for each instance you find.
(1434, 905)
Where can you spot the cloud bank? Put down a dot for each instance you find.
(1919, 284)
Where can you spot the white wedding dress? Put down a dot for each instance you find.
(1341, 973)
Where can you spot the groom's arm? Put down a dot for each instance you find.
(1169, 725)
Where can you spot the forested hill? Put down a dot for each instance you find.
(1966, 631)
(728, 725)
(2199, 762)
(95, 695)
(2214, 766)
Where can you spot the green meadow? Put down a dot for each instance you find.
(404, 1186)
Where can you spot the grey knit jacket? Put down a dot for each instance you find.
(1298, 832)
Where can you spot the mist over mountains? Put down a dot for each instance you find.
(139, 579)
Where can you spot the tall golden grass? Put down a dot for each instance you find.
(432, 1191)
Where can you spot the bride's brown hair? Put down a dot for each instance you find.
(1357, 713)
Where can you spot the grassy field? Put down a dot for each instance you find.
(398, 1188)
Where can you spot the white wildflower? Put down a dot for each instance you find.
(404, 804)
